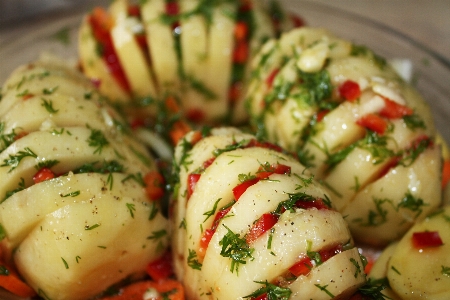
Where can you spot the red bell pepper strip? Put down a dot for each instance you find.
(43, 175)
(373, 122)
(154, 185)
(264, 223)
(393, 110)
(349, 90)
(161, 268)
(426, 239)
(192, 182)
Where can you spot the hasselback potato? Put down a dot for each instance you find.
(361, 130)
(249, 221)
(75, 213)
(193, 50)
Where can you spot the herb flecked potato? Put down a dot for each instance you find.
(250, 220)
(418, 266)
(139, 57)
(74, 212)
(363, 132)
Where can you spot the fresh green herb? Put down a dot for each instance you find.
(77, 258)
(183, 224)
(231, 147)
(395, 270)
(136, 177)
(269, 240)
(156, 235)
(445, 271)
(20, 187)
(48, 105)
(71, 194)
(66, 265)
(46, 164)
(245, 177)
(412, 203)
(87, 227)
(290, 204)
(107, 167)
(98, 140)
(63, 35)
(3, 271)
(235, 248)
(153, 211)
(49, 91)
(212, 212)
(201, 88)
(414, 121)
(23, 93)
(88, 95)
(165, 295)
(131, 209)
(193, 261)
(373, 289)
(323, 288)
(357, 266)
(6, 139)
(379, 215)
(2, 232)
(110, 181)
(272, 291)
(411, 154)
(372, 142)
(102, 247)
(14, 160)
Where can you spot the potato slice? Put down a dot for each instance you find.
(44, 112)
(384, 210)
(95, 68)
(417, 273)
(321, 228)
(337, 278)
(23, 210)
(71, 147)
(131, 55)
(82, 248)
(161, 46)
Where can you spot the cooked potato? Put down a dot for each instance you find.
(74, 208)
(355, 124)
(240, 224)
(206, 68)
(417, 266)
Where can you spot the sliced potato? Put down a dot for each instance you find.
(82, 248)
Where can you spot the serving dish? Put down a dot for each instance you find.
(57, 35)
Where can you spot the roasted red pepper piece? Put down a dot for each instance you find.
(264, 223)
(241, 188)
(43, 175)
(161, 268)
(373, 122)
(192, 182)
(393, 110)
(350, 90)
(154, 185)
(426, 239)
